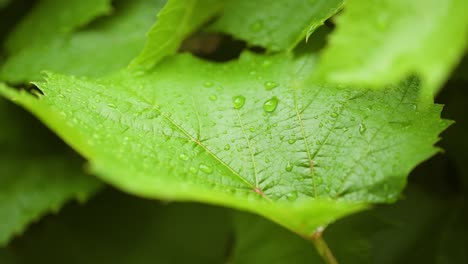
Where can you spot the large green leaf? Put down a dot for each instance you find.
(50, 18)
(36, 175)
(175, 22)
(244, 134)
(106, 45)
(383, 41)
(275, 25)
(120, 229)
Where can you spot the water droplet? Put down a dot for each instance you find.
(219, 88)
(281, 137)
(111, 105)
(183, 157)
(213, 97)
(292, 141)
(291, 196)
(252, 129)
(267, 160)
(227, 147)
(205, 168)
(382, 22)
(362, 128)
(269, 85)
(334, 115)
(257, 26)
(320, 125)
(238, 101)
(266, 63)
(270, 104)
(193, 170)
(208, 84)
(289, 166)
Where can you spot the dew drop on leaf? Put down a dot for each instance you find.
(334, 115)
(227, 147)
(257, 26)
(208, 84)
(269, 85)
(362, 128)
(318, 180)
(292, 141)
(270, 104)
(289, 166)
(291, 196)
(238, 101)
(183, 157)
(205, 168)
(193, 170)
(213, 97)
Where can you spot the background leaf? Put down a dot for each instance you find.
(37, 173)
(50, 18)
(384, 41)
(117, 228)
(3, 3)
(275, 25)
(106, 45)
(176, 21)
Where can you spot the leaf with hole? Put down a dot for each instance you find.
(275, 25)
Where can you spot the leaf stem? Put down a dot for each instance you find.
(322, 247)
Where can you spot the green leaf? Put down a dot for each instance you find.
(54, 17)
(34, 182)
(133, 231)
(244, 134)
(381, 42)
(175, 22)
(105, 46)
(275, 25)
